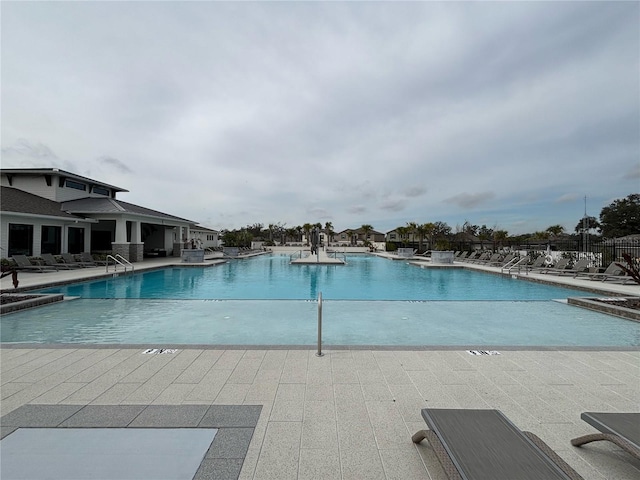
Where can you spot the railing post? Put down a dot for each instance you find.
(319, 352)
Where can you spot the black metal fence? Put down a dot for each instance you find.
(600, 252)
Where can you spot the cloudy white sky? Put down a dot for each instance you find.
(234, 113)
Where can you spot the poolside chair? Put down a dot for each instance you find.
(622, 429)
(24, 263)
(471, 256)
(484, 444)
(495, 258)
(50, 261)
(461, 257)
(69, 259)
(89, 261)
(580, 266)
(612, 270)
(537, 265)
(501, 262)
(560, 266)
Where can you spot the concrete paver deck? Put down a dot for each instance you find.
(351, 413)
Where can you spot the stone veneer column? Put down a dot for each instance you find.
(136, 252)
(120, 249)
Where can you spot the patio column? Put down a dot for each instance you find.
(136, 247)
(120, 246)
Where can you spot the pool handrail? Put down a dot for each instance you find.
(119, 260)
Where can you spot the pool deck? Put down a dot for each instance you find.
(349, 414)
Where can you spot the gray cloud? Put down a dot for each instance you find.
(633, 174)
(115, 163)
(567, 198)
(393, 205)
(415, 191)
(470, 200)
(367, 112)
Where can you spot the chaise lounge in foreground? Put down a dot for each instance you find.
(622, 429)
(484, 444)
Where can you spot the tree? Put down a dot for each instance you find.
(500, 236)
(402, 233)
(328, 230)
(587, 224)
(366, 230)
(484, 234)
(555, 230)
(621, 217)
(428, 229)
(307, 231)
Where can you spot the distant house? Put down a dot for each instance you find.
(48, 210)
(355, 236)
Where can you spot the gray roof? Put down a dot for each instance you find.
(34, 172)
(19, 201)
(88, 206)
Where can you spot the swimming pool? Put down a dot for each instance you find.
(271, 277)
(265, 301)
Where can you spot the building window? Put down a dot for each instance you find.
(20, 239)
(76, 240)
(101, 191)
(76, 185)
(392, 236)
(51, 240)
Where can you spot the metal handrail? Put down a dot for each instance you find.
(119, 260)
(335, 254)
(319, 353)
(296, 255)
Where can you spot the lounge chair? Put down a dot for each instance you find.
(612, 270)
(484, 444)
(538, 264)
(501, 262)
(50, 261)
(24, 263)
(89, 261)
(69, 259)
(495, 258)
(462, 256)
(580, 266)
(560, 266)
(622, 429)
(471, 256)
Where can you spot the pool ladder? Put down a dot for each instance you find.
(119, 260)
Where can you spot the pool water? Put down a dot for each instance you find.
(294, 322)
(370, 301)
(271, 277)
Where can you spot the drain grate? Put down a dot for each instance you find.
(159, 351)
(483, 352)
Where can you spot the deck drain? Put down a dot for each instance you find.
(159, 351)
(483, 352)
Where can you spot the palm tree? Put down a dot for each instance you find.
(402, 233)
(328, 229)
(366, 230)
(290, 234)
(307, 231)
(422, 231)
(412, 228)
(500, 236)
(429, 230)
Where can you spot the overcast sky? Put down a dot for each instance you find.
(228, 114)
